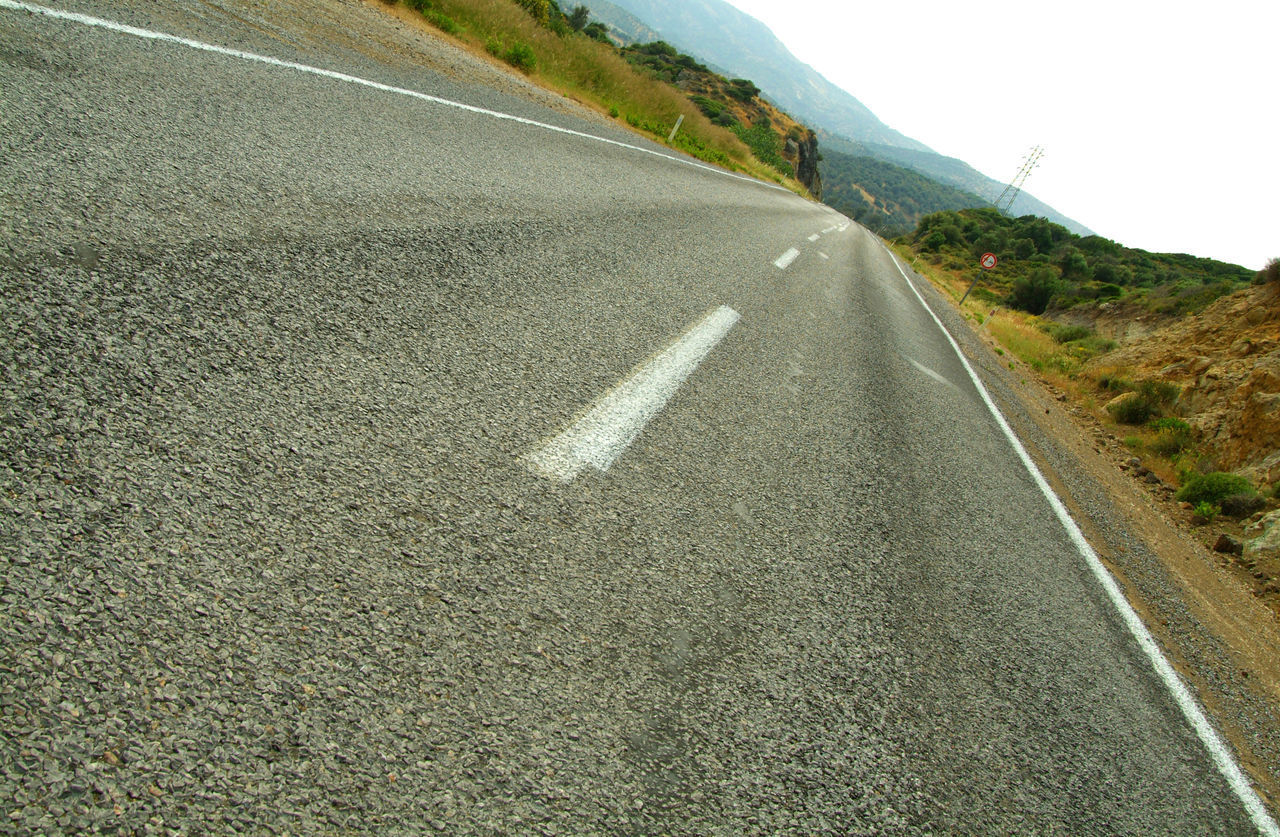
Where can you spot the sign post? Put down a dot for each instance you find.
(987, 262)
(672, 136)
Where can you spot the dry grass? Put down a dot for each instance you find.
(595, 75)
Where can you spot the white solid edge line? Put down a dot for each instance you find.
(784, 261)
(1218, 750)
(615, 419)
(148, 34)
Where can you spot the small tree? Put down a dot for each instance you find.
(597, 31)
(539, 9)
(743, 89)
(1270, 273)
(1032, 293)
(579, 18)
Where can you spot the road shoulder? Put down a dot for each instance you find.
(1219, 637)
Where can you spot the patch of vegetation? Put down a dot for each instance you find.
(1147, 400)
(717, 99)
(717, 112)
(1214, 487)
(1065, 333)
(743, 89)
(1205, 513)
(1131, 408)
(765, 144)
(437, 19)
(520, 55)
(663, 61)
(1163, 394)
(1173, 436)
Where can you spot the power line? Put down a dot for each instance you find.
(1015, 186)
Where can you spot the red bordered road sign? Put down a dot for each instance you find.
(988, 261)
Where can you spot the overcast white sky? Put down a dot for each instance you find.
(1160, 121)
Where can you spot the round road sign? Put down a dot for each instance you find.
(988, 261)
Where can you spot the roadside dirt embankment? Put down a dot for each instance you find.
(1226, 359)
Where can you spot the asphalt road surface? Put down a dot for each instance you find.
(368, 463)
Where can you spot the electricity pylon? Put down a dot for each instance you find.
(1015, 186)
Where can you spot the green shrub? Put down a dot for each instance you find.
(442, 22)
(1173, 436)
(597, 31)
(1134, 409)
(1065, 333)
(1115, 383)
(1214, 487)
(765, 145)
(710, 107)
(520, 55)
(1032, 293)
(1170, 423)
(1205, 512)
(1160, 393)
(1094, 345)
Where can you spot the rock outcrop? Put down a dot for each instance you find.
(807, 166)
(1262, 539)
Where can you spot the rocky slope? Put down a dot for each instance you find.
(1226, 359)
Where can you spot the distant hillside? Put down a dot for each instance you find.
(952, 172)
(886, 198)
(739, 45)
(623, 26)
(727, 38)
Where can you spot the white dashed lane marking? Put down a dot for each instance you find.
(617, 417)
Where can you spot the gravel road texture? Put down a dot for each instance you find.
(274, 347)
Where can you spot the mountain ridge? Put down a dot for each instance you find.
(723, 35)
(738, 44)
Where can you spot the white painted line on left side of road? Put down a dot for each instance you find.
(151, 35)
(616, 418)
(784, 261)
(815, 236)
(1219, 751)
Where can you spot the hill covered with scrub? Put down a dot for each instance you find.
(889, 199)
(1044, 266)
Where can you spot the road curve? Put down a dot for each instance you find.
(283, 354)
